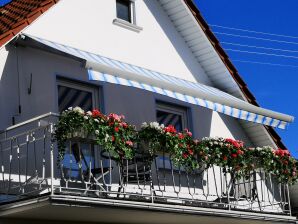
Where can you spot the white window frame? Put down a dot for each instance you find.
(179, 110)
(129, 25)
(79, 86)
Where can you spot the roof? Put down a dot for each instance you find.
(18, 14)
(231, 68)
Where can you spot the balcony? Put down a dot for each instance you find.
(88, 176)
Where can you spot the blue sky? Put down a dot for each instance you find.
(3, 2)
(275, 87)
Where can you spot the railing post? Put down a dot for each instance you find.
(289, 200)
(52, 160)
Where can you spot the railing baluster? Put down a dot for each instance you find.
(2, 165)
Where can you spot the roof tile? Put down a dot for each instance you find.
(18, 14)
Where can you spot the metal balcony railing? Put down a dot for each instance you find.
(30, 168)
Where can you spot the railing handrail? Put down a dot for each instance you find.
(29, 121)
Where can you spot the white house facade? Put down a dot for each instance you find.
(151, 60)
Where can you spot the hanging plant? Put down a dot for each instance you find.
(187, 154)
(150, 137)
(72, 123)
(226, 153)
(117, 137)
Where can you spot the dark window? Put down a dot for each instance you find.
(172, 115)
(71, 97)
(124, 10)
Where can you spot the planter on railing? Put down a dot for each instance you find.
(119, 139)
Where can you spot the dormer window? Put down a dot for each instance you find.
(124, 10)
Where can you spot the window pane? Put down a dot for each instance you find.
(123, 10)
(167, 118)
(70, 97)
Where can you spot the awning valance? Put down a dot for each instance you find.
(105, 69)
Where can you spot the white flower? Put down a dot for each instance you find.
(96, 120)
(96, 132)
(162, 126)
(144, 125)
(106, 137)
(70, 108)
(79, 110)
(85, 117)
(89, 113)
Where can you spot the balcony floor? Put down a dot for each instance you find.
(82, 209)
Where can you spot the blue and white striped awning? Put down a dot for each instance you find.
(105, 69)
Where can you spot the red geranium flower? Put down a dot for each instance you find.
(239, 152)
(190, 151)
(170, 129)
(116, 129)
(234, 155)
(185, 155)
(96, 113)
(225, 158)
(113, 138)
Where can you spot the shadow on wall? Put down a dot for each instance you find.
(236, 129)
(177, 42)
(9, 88)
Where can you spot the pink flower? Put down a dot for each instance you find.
(114, 117)
(129, 143)
(180, 136)
(196, 141)
(189, 134)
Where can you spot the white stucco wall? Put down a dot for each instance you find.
(3, 58)
(227, 127)
(88, 26)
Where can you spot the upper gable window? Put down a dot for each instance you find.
(126, 15)
(124, 10)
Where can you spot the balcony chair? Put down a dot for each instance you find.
(91, 176)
